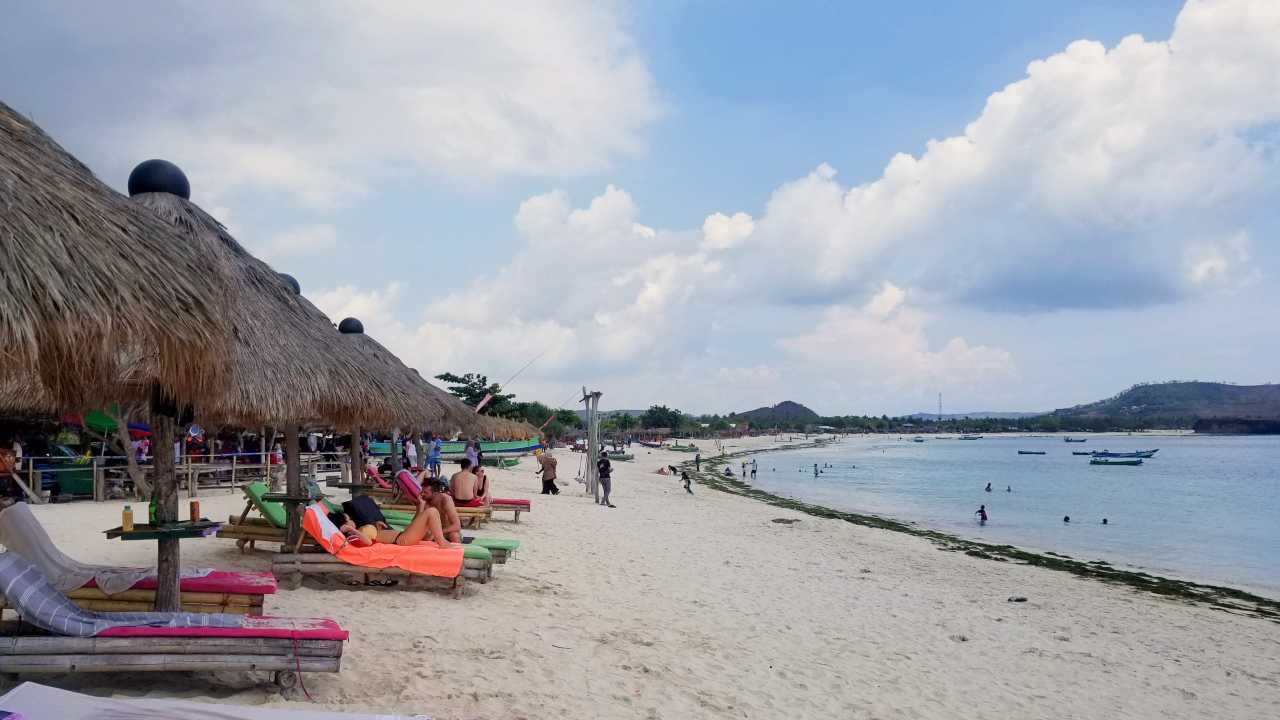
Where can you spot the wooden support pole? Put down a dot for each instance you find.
(293, 482)
(165, 494)
(357, 465)
(99, 487)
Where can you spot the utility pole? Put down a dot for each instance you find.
(592, 401)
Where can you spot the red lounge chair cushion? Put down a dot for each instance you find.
(254, 627)
(512, 501)
(236, 583)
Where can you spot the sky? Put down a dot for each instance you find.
(717, 206)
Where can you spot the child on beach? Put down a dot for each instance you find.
(685, 477)
(981, 512)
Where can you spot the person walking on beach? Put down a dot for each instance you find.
(697, 461)
(605, 471)
(982, 514)
(687, 488)
(815, 469)
(471, 452)
(547, 468)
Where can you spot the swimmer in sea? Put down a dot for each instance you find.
(988, 487)
(981, 512)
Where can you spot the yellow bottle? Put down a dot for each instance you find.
(126, 519)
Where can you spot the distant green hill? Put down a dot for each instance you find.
(784, 413)
(1181, 404)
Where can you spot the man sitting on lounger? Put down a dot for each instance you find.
(425, 526)
(437, 499)
(465, 486)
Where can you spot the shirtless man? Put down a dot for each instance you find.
(464, 485)
(425, 526)
(437, 499)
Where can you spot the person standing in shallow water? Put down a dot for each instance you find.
(981, 512)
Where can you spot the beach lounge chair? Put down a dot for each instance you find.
(410, 490)
(515, 505)
(55, 635)
(124, 589)
(336, 556)
(270, 527)
(500, 548)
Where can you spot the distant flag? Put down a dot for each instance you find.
(546, 422)
(485, 401)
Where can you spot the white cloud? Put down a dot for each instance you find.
(318, 102)
(882, 347)
(1081, 185)
(313, 239)
(722, 232)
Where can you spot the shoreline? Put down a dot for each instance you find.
(1226, 599)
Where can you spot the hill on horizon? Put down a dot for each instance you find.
(786, 411)
(982, 415)
(1184, 402)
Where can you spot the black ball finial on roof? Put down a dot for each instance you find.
(351, 326)
(159, 176)
(292, 282)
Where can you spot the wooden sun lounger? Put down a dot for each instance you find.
(26, 649)
(499, 505)
(469, 517)
(246, 600)
(290, 567)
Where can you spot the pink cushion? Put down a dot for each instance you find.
(237, 583)
(512, 501)
(254, 627)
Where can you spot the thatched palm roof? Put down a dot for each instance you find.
(86, 274)
(288, 362)
(425, 406)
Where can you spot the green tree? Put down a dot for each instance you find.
(661, 416)
(471, 389)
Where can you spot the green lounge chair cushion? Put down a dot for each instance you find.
(272, 511)
(496, 544)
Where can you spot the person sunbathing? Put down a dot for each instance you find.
(425, 527)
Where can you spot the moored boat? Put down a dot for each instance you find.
(1069, 439)
(1081, 452)
(1135, 454)
(970, 437)
(1110, 461)
(917, 439)
(1031, 452)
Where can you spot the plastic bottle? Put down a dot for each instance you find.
(126, 519)
(195, 511)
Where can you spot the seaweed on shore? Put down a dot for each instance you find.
(1221, 598)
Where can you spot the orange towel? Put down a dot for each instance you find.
(423, 558)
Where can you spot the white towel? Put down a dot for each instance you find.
(21, 533)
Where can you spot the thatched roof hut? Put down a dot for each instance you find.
(288, 363)
(87, 274)
(425, 406)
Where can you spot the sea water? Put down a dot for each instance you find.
(1205, 508)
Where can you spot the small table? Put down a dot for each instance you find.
(168, 531)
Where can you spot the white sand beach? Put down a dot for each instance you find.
(672, 606)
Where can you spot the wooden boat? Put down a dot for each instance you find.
(1067, 439)
(970, 437)
(1136, 454)
(621, 456)
(1081, 452)
(1031, 452)
(1109, 461)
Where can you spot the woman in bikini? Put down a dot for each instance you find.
(425, 527)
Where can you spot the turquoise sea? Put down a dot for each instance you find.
(1205, 508)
